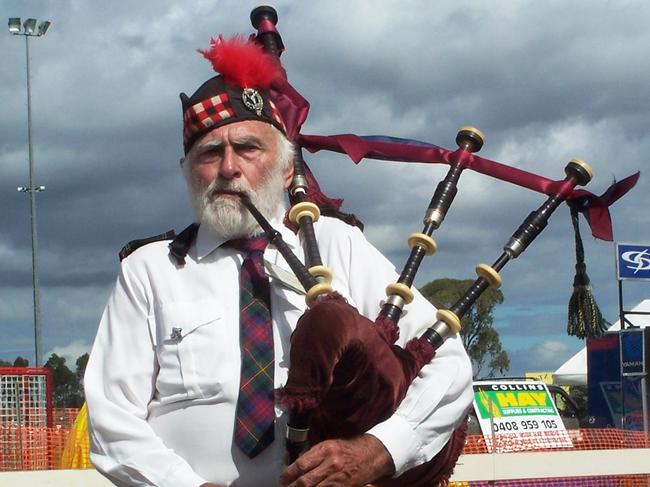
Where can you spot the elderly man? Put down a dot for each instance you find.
(167, 380)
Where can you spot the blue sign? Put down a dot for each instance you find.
(632, 351)
(633, 261)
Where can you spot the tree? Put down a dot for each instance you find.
(479, 337)
(67, 387)
(18, 362)
(21, 362)
(81, 363)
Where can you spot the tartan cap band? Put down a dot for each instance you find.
(216, 104)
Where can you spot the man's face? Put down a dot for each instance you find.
(241, 157)
(243, 151)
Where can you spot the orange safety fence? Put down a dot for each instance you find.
(602, 481)
(66, 445)
(580, 439)
(38, 448)
(65, 417)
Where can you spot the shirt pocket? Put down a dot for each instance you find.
(191, 343)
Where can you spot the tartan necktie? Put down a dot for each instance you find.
(255, 414)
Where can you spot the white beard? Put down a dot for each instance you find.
(225, 216)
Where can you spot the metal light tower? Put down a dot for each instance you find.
(28, 30)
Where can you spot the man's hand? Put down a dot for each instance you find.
(208, 484)
(343, 463)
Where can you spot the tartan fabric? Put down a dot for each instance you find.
(217, 103)
(134, 245)
(275, 113)
(205, 114)
(255, 414)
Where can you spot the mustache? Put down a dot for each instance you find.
(218, 188)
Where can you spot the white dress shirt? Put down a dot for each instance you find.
(163, 376)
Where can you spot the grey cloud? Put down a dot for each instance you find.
(545, 81)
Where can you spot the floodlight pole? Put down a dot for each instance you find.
(32, 190)
(32, 213)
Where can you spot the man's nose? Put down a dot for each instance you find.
(230, 168)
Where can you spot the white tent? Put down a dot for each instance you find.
(574, 371)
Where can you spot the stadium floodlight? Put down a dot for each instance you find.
(29, 31)
(14, 25)
(30, 26)
(43, 26)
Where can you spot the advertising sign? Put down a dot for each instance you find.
(604, 381)
(518, 415)
(632, 261)
(632, 351)
(611, 393)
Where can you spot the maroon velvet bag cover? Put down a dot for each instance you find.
(348, 374)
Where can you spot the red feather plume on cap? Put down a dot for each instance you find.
(242, 63)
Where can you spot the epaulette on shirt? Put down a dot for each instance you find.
(134, 245)
(178, 247)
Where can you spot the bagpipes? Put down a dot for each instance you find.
(324, 393)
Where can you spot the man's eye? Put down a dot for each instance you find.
(210, 153)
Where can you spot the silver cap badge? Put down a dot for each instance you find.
(253, 100)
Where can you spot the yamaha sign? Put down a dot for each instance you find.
(633, 261)
(633, 351)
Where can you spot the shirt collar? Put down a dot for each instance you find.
(207, 242)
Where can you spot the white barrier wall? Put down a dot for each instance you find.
(54, 478)
(534, 465)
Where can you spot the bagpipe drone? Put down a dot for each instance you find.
(324, 394)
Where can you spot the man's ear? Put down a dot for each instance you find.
(288, 175)
(181, 161)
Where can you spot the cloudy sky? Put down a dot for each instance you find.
(545, 81)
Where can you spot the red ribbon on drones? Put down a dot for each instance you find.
(595, 208)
